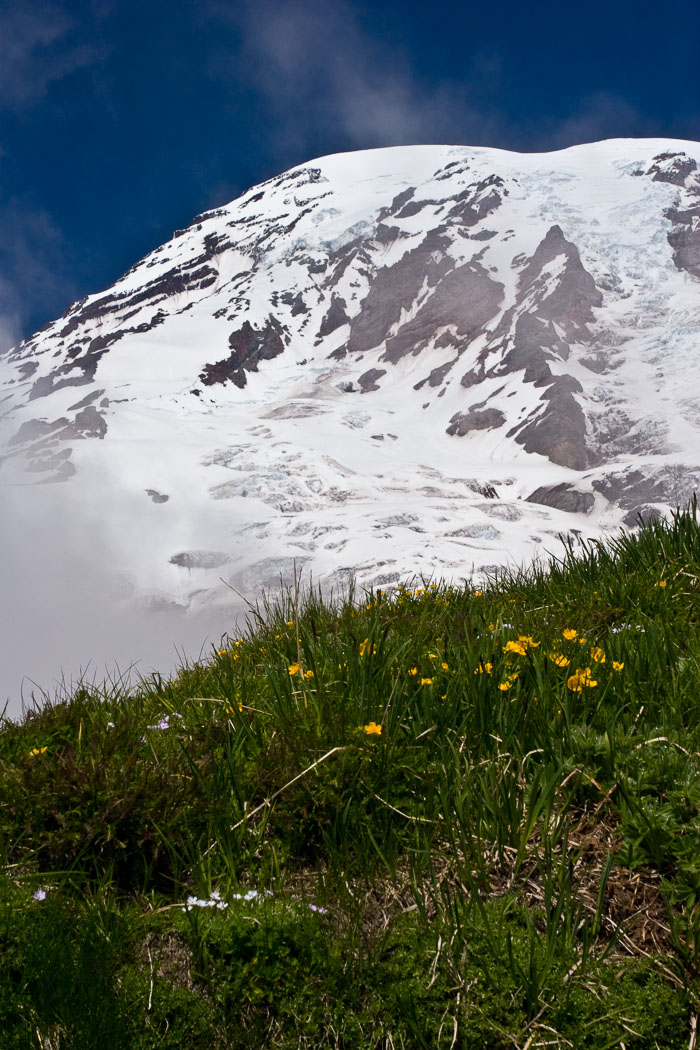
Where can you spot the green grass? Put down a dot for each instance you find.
(432, 819)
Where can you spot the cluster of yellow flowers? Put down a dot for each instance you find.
(37, 751)
(367, 649)
(522, 645)
(439, 663)
(233, 652)
(581, 678)
(295, 669)
(508, 683)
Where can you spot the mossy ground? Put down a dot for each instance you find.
(438, 818)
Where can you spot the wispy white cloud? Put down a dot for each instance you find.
(323, 75)
(40, 43)
(37, 48)
(600, 115)
(32, 257)
(10, 315)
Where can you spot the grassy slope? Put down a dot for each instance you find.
(440, 818)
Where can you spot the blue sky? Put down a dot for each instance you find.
(120, 120)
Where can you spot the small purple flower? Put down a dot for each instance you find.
(164, 722)
(39, 895)
(315, 907)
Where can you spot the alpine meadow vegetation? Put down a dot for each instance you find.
(441, 817)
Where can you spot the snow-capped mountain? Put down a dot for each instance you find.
(418, 360)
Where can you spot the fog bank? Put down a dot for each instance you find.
(66, 609)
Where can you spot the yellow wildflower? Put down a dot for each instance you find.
(294, 668)
(484, 668)
(663, 583)
(617, 666)
(231, 711)
(559, 660)
(515, 647)
(445, 666)
(570, 633)
(527, 641)
(478, 594)
(580, 679)
(37, 751)
(505, 686)
(426, 681)
(365, 648)
(222, 652)
(308, 674)
(413, 671)
(373, 727)
(598, 655)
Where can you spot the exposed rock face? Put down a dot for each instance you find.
(87, 423)
(369, 379)
(395, 288)
(200, 559)
(248, 347)
(464, 299)
(554, 307)
(564, 497)
(559, 432)
(336, 316)
(672, 167)
(487, 419)
(634, 490)
(678, 169)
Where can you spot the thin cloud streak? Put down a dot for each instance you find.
(36, 50)
(322, 76)
(32, 256)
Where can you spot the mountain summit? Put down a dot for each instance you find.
(425, 359)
